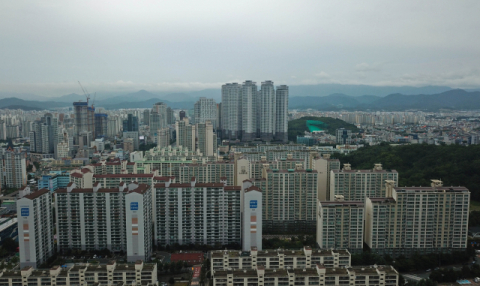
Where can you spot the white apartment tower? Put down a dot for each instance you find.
(35, 231)
(138, 217)
(324, 165)
(185, 134)
(163, 138)
(205, 109)
(289, 199)
(207, 139)
(340, 224)
(105, 218)
(281, 120)
(231, 110)
(418, 219)
(249, 111)
(356, 185)
(203, 213)
(251, 217)
(15, 168)
(267, 111)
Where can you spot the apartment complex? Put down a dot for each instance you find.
(340, 224)
(418, 219)
(289, 199)
(318, 275)
(279, 258)
(112, 273)
(35, 234)
(356, 185)
(203, 213)
(118, 219)
(249, 113)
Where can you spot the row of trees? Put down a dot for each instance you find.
(414, 262)
(293, 243)
(451, 275)
(196, 247)
(172, 267)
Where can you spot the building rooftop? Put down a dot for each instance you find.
(36, 194)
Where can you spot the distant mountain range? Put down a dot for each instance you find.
(448, 99)
(452, 99)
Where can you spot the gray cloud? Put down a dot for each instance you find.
(186, 45)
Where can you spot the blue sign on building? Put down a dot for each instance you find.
(134, 206)
(253, 204)
(25, 211)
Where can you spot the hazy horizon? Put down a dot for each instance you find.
(125, 46)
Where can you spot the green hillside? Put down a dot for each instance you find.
(417, 164)
(299, 126)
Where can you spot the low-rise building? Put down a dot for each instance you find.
(278, 258)
(317, 275)
(138, 273)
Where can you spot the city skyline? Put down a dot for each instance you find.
(128, 45)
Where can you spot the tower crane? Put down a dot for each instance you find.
(87, 95)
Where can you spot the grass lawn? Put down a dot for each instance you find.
(474, 206)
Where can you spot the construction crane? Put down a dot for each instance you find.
(87, 95)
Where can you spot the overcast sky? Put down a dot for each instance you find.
(46, 46)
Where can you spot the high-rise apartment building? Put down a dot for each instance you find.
(340, 224)
(15, 168)
(231, 111)
(324, 166)
(101, 125)
(252, 227)
(130, 124)
(344, 136)
(118, 219)
(418, 219)
(281, 113)
(163, 138)
(207, 139)
(289, 199)
(205, 109)
(44, 135)
(356, 185)
(185, 134)
(35, 231)
(146, 117)
(267, 113)
(248, 113)
(158, 118)
(203, 213)
(170, 116)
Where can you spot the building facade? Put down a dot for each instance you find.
(35, 235)
(418, 220)
(356, 185)
(340, 225)
(203, 213)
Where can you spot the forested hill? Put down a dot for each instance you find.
(416, 164)
(299, 126)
